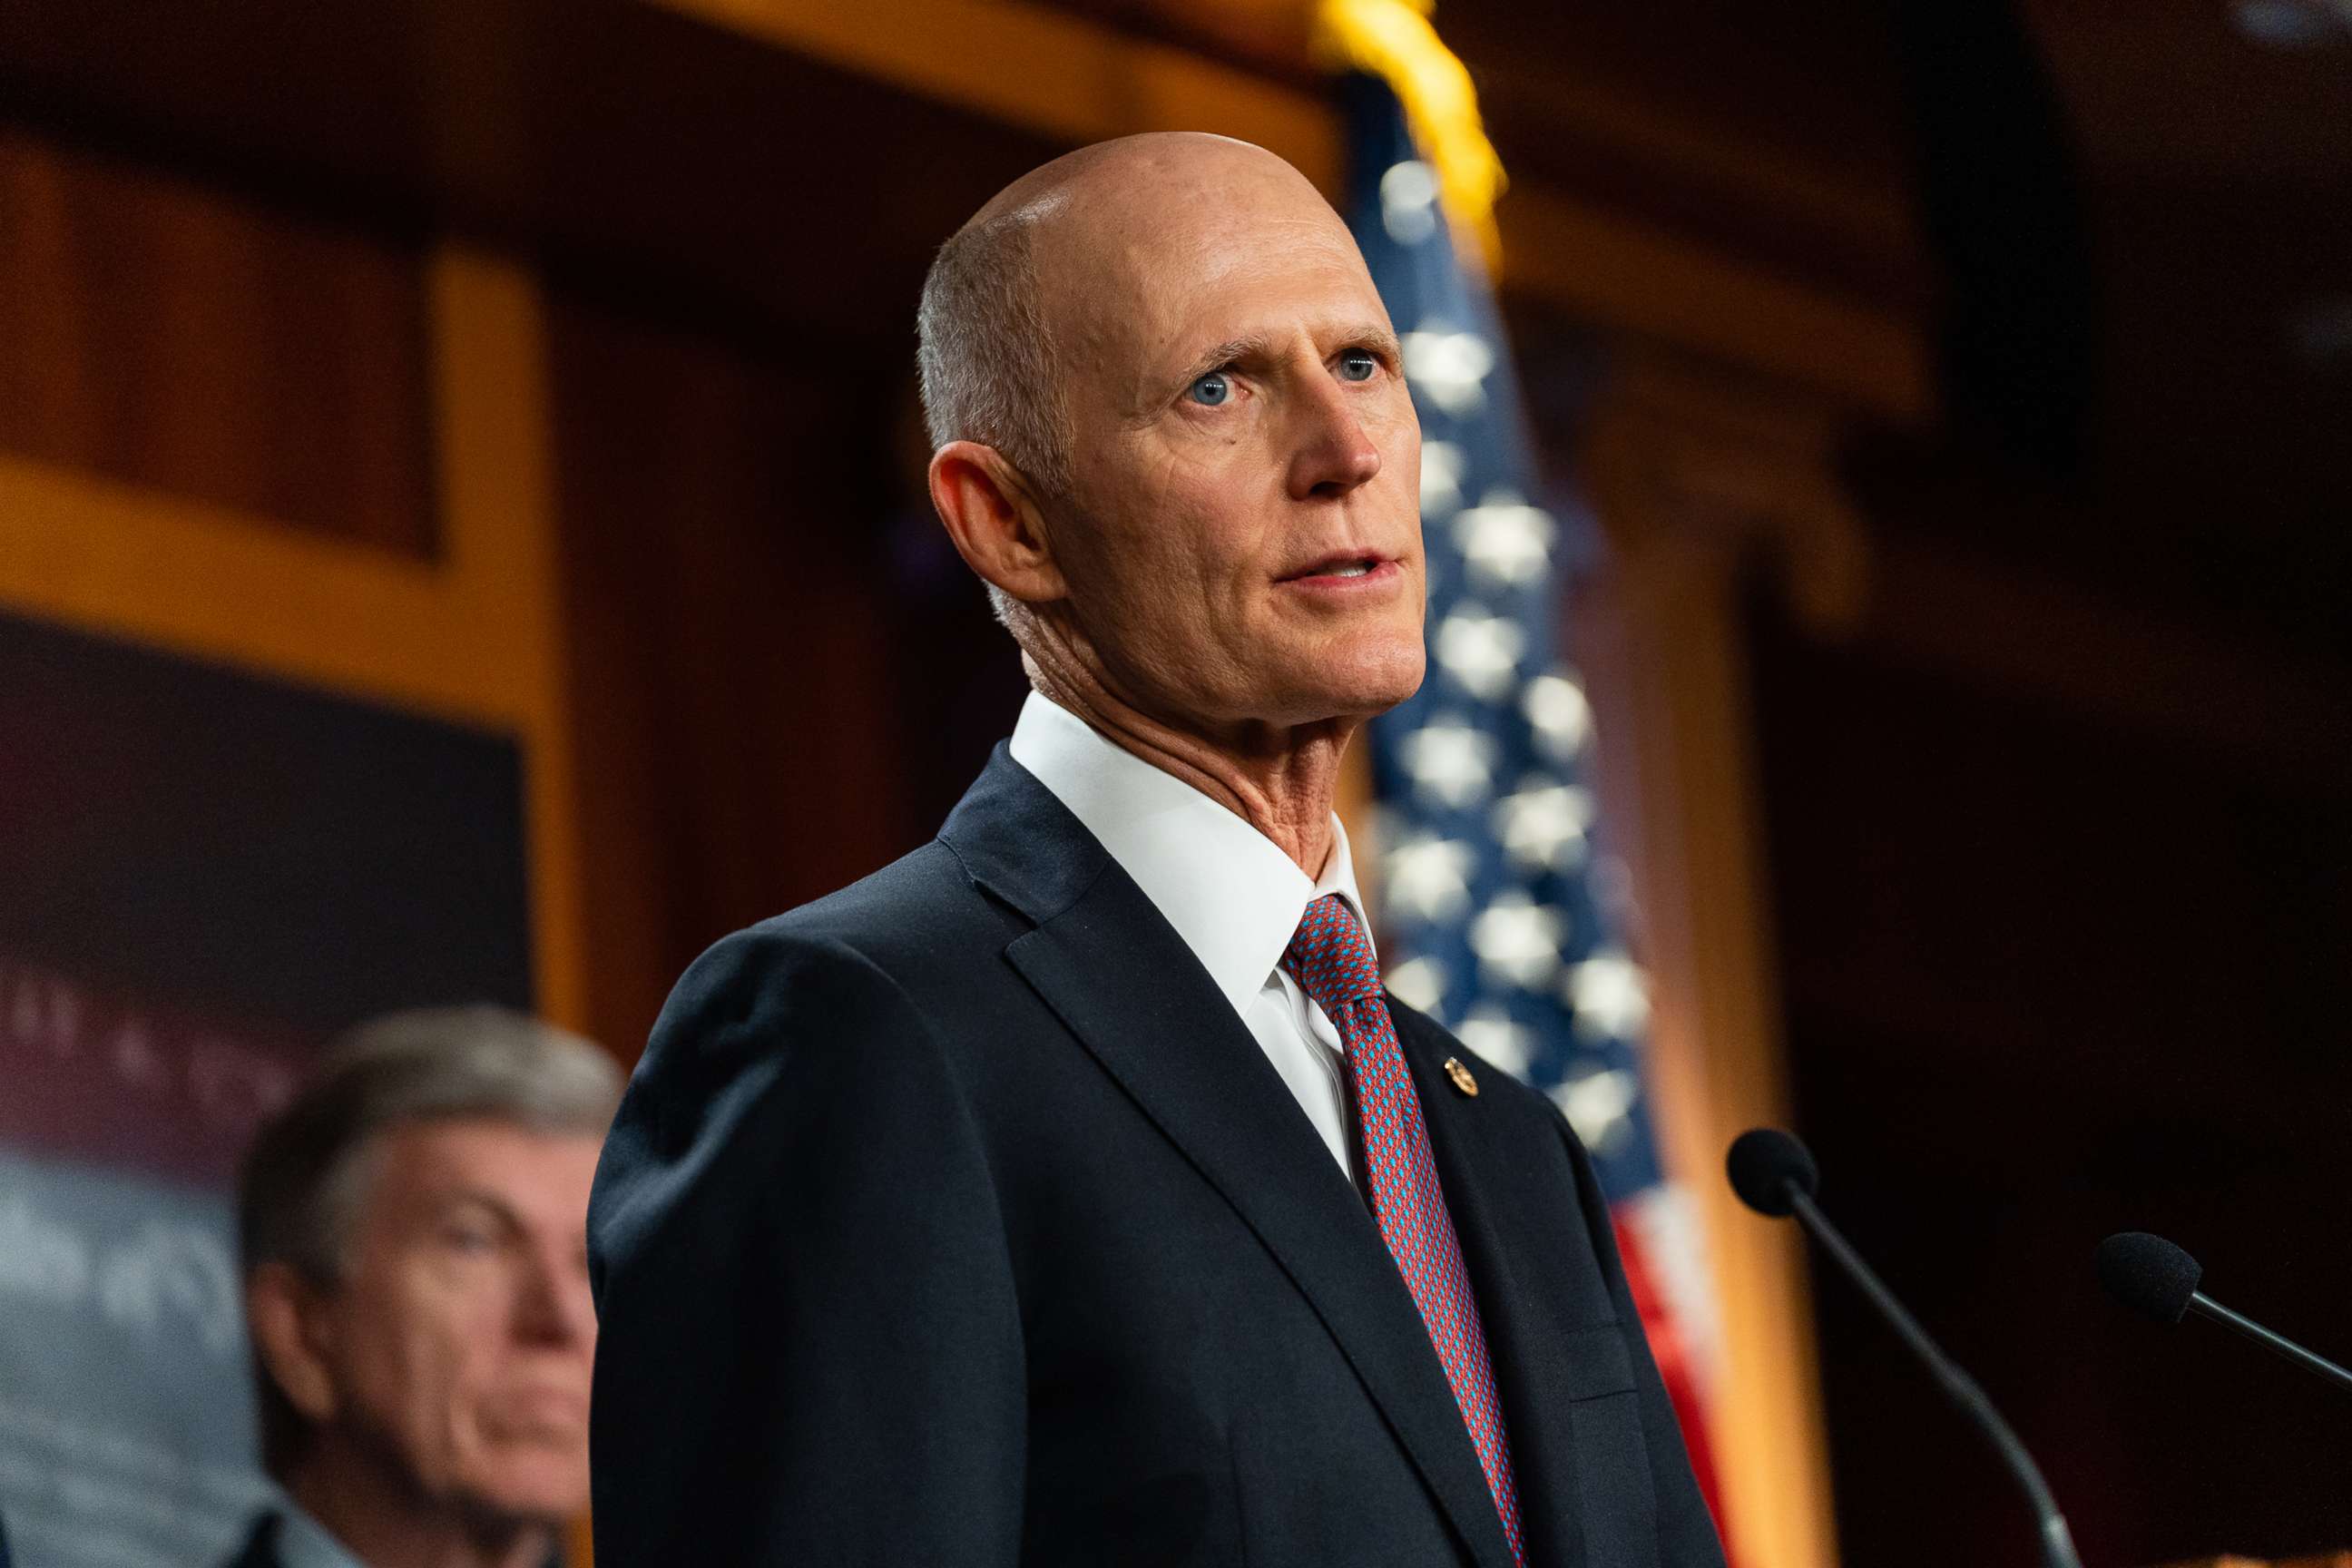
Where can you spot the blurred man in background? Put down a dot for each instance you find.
(416, 1291)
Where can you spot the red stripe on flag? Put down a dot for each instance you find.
(1677, 1367)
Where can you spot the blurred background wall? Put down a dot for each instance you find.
(461, 533)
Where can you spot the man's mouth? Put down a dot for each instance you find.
(1341, 566)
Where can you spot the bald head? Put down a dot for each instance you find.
(992, 354)
(1145, 169)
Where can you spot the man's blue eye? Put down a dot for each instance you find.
(1357, 365)
(1211, 389)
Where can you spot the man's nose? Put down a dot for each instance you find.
(1333, 454)
(552, 1302)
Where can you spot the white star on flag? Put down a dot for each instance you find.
(1451, 762)
(1481, 651)
(1450, 367)
(1542, 825)
(1610, 994)
(1429, 877)
(1505, 542)
(1418, 983)
(1556, 706)
(1493, 1034)
(1442, 463)
(1518, 939)
(1409, 201)
(1595, 1104)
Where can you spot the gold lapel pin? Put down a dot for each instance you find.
(1463, 1081)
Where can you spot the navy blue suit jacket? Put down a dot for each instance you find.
(956, 1219)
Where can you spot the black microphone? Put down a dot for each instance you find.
(2157, 1279)
(1774, 1174)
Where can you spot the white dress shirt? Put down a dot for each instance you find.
(1233, 895)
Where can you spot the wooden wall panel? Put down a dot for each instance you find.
(200, 343)
(735, 730)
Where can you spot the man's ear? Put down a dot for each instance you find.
(286, 1315)
(991, 514)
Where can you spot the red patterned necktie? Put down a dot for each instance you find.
(1332, 961)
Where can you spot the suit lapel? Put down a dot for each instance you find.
(1114, 971)
(1510, 1244)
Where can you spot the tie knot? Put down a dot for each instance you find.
(1330, 957)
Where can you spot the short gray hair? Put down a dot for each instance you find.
(986, 355)
(305, 1180)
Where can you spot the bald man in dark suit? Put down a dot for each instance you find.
(1070, 1191)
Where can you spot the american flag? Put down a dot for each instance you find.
(1495, 919)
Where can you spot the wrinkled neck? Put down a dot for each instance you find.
(1280, 780)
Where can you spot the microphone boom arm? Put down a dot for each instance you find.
(2057, 1541)
(2277, 1344)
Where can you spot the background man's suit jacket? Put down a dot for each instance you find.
(957, 1219)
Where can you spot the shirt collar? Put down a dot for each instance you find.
(303, 1543)
(1233, 895)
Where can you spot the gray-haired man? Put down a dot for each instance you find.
(416, 1289)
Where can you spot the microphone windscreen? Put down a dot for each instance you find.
(2148, 1274)
(1764, 1164)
